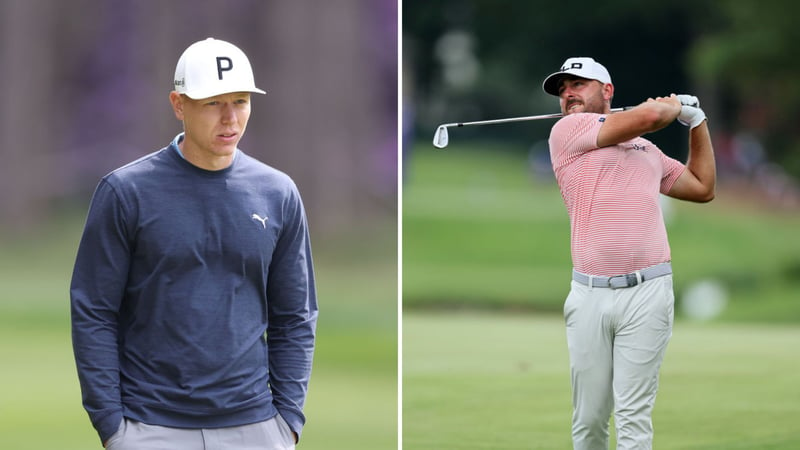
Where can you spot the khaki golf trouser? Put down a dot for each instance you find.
(617, 339)
(272, 434)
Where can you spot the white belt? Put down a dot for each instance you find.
(623, 281)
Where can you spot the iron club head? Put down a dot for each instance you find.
(440, 138)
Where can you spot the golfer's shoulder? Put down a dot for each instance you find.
(264, 177)
(570, 126)
(254, 167)
(136, 170)
(582, 118)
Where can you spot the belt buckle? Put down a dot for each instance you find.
(629, 281)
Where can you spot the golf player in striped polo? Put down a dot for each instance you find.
(619, 311)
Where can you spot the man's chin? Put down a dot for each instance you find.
(574, 109)
(227, 146)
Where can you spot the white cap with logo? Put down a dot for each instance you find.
(213, 67)
(580, 67)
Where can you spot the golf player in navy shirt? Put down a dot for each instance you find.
(192, 298)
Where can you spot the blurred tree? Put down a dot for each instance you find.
(517, 44)
(86, 84)
(737, 55)
(751, 53)
(26, 174)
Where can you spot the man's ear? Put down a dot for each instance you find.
(608, 91)
(177, 104)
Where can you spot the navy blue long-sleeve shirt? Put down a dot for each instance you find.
(192, 297)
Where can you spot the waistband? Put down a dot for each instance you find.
(623, 281)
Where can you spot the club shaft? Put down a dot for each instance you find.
(514, 119)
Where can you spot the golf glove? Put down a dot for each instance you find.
(691, 115)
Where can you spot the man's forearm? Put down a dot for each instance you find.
(701, 157)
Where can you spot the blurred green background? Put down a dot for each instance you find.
(86, 87)
(352, 401)
(485, 234)
(486, 269)
(483, 230)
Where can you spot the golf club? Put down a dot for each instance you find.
(441, 138)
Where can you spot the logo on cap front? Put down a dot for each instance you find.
(220, 68)
(575, 65)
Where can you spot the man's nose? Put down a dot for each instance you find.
(228, 113)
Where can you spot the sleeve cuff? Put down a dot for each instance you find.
(108, 425)
(295, 421)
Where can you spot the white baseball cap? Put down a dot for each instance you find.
(580, 67)
(213, 67)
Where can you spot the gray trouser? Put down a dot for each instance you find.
(617, 339)
(272, 434)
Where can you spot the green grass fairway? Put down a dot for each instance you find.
(481, 230)
(489, 381)
(352, 402)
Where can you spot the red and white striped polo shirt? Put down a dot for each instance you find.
(612, 196)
